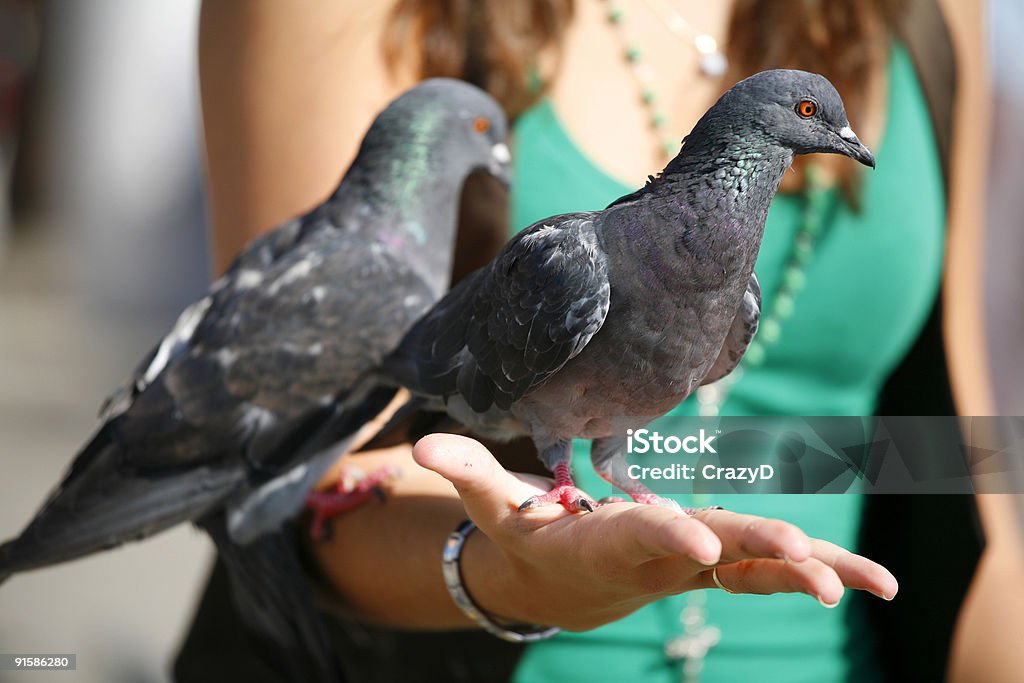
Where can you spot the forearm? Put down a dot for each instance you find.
(384, 560)
(987, 642)
(545, 565)
(986, 645)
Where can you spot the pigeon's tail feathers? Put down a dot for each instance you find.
(275, 603)
(99, 506)
(312, 447)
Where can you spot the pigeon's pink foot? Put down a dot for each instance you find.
(569, 497)
(651, 499)
(354, 489)
(692, 511)
(565, 494)
(611, 499)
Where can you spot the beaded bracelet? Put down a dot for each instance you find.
(453, 580)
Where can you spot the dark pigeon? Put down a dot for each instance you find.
(213, 427)
(590, 324)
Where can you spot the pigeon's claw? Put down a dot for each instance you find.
(354, 489)
(569, 497)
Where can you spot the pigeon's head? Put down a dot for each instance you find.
(455, 127)
(798, 110)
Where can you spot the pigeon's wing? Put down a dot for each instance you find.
(100, 505)
(743, 328)
(270, 349)
(246, 272)
(229, 398)
(507, 328)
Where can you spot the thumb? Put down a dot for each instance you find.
(488, 491)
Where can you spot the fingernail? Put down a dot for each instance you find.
(883, 595)
(825, 604)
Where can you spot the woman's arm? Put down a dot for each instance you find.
(547, 566)
(963, 295)
(986, 644)
(287, 92)
(987, 641)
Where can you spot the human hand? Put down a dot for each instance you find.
(581, 571)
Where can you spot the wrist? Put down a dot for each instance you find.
(512, 630)
(489, 579)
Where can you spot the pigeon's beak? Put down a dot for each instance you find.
(501, 163)
(855, 149)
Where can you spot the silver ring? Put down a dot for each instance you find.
(718, 582)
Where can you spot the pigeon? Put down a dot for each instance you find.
(590, 324)
(207, 429)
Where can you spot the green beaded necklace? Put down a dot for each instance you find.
(712, 64)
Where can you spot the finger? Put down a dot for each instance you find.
(648, 532)
(750, 537)
(856, 571)
(764, 577)
(489, 492)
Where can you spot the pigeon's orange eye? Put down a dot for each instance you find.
(481, 125)
(807, 108)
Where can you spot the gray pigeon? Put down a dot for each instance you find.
(590, 324)
(207, 427)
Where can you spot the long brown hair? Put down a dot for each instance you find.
(507, 47)
(510, 47)
(846, 41)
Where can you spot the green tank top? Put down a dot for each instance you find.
(869, 287)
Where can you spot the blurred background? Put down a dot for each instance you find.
(102, 227)
(102, 242)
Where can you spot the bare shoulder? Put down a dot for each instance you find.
(967, 26)
(288, 90)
